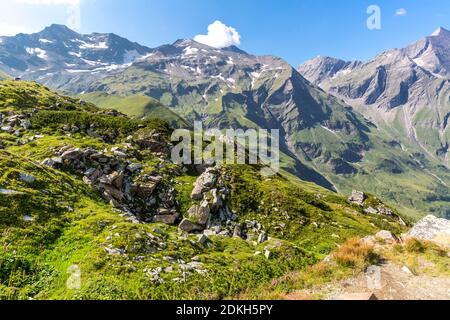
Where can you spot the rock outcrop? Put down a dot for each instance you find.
(432, 229)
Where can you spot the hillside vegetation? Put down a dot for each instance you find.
(90, 208)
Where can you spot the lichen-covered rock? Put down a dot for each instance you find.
(189, 226)
(432, 229)
(200, 213)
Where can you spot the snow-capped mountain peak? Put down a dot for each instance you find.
(58, 53)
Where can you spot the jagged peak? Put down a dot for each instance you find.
(59, 29)
(234, 49)
(440, 32)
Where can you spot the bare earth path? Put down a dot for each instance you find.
(393, 283)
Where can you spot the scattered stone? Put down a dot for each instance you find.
(27, 178)
(52, 162)
(237, 232)
(114, 251)
(9, 192)
(357, 296)
(262, 237)
(370, 210)
(387, 237)
(71, 154)
(267, 254)
(8, 129)
(385, 211)
(26, 124)
(203, 239)
(145, 190)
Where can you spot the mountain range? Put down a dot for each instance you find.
(378, 126)
(405, 91)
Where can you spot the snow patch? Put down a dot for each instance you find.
(189, 51)
(45, 41)
(37, 52)
(96, 46)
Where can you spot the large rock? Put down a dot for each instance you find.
(205, 182)
(112, 193)
(387, 237)
(146, 189)
(170, 219)
(71, 154)
(200, 213)
(115, 179)
(358, 197)
(432, 229)
(189, 226)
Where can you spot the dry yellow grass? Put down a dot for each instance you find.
(354, 253)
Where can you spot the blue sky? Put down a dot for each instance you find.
(295, 30)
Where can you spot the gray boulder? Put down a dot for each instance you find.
(358, 197)
(205, 182)
(200, 213)
(189, 226)
(432, 229)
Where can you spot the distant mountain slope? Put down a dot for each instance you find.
(404, 90)
(227, 87)
(137, 106)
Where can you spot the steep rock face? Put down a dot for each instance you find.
(405, 89)
(322, 68)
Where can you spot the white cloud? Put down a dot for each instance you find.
(11, 30)
(401, 12)
(49, 2)
(219, 36)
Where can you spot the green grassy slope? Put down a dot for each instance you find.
(55, 226)
(137, 106)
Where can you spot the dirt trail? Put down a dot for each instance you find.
(384, 282)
